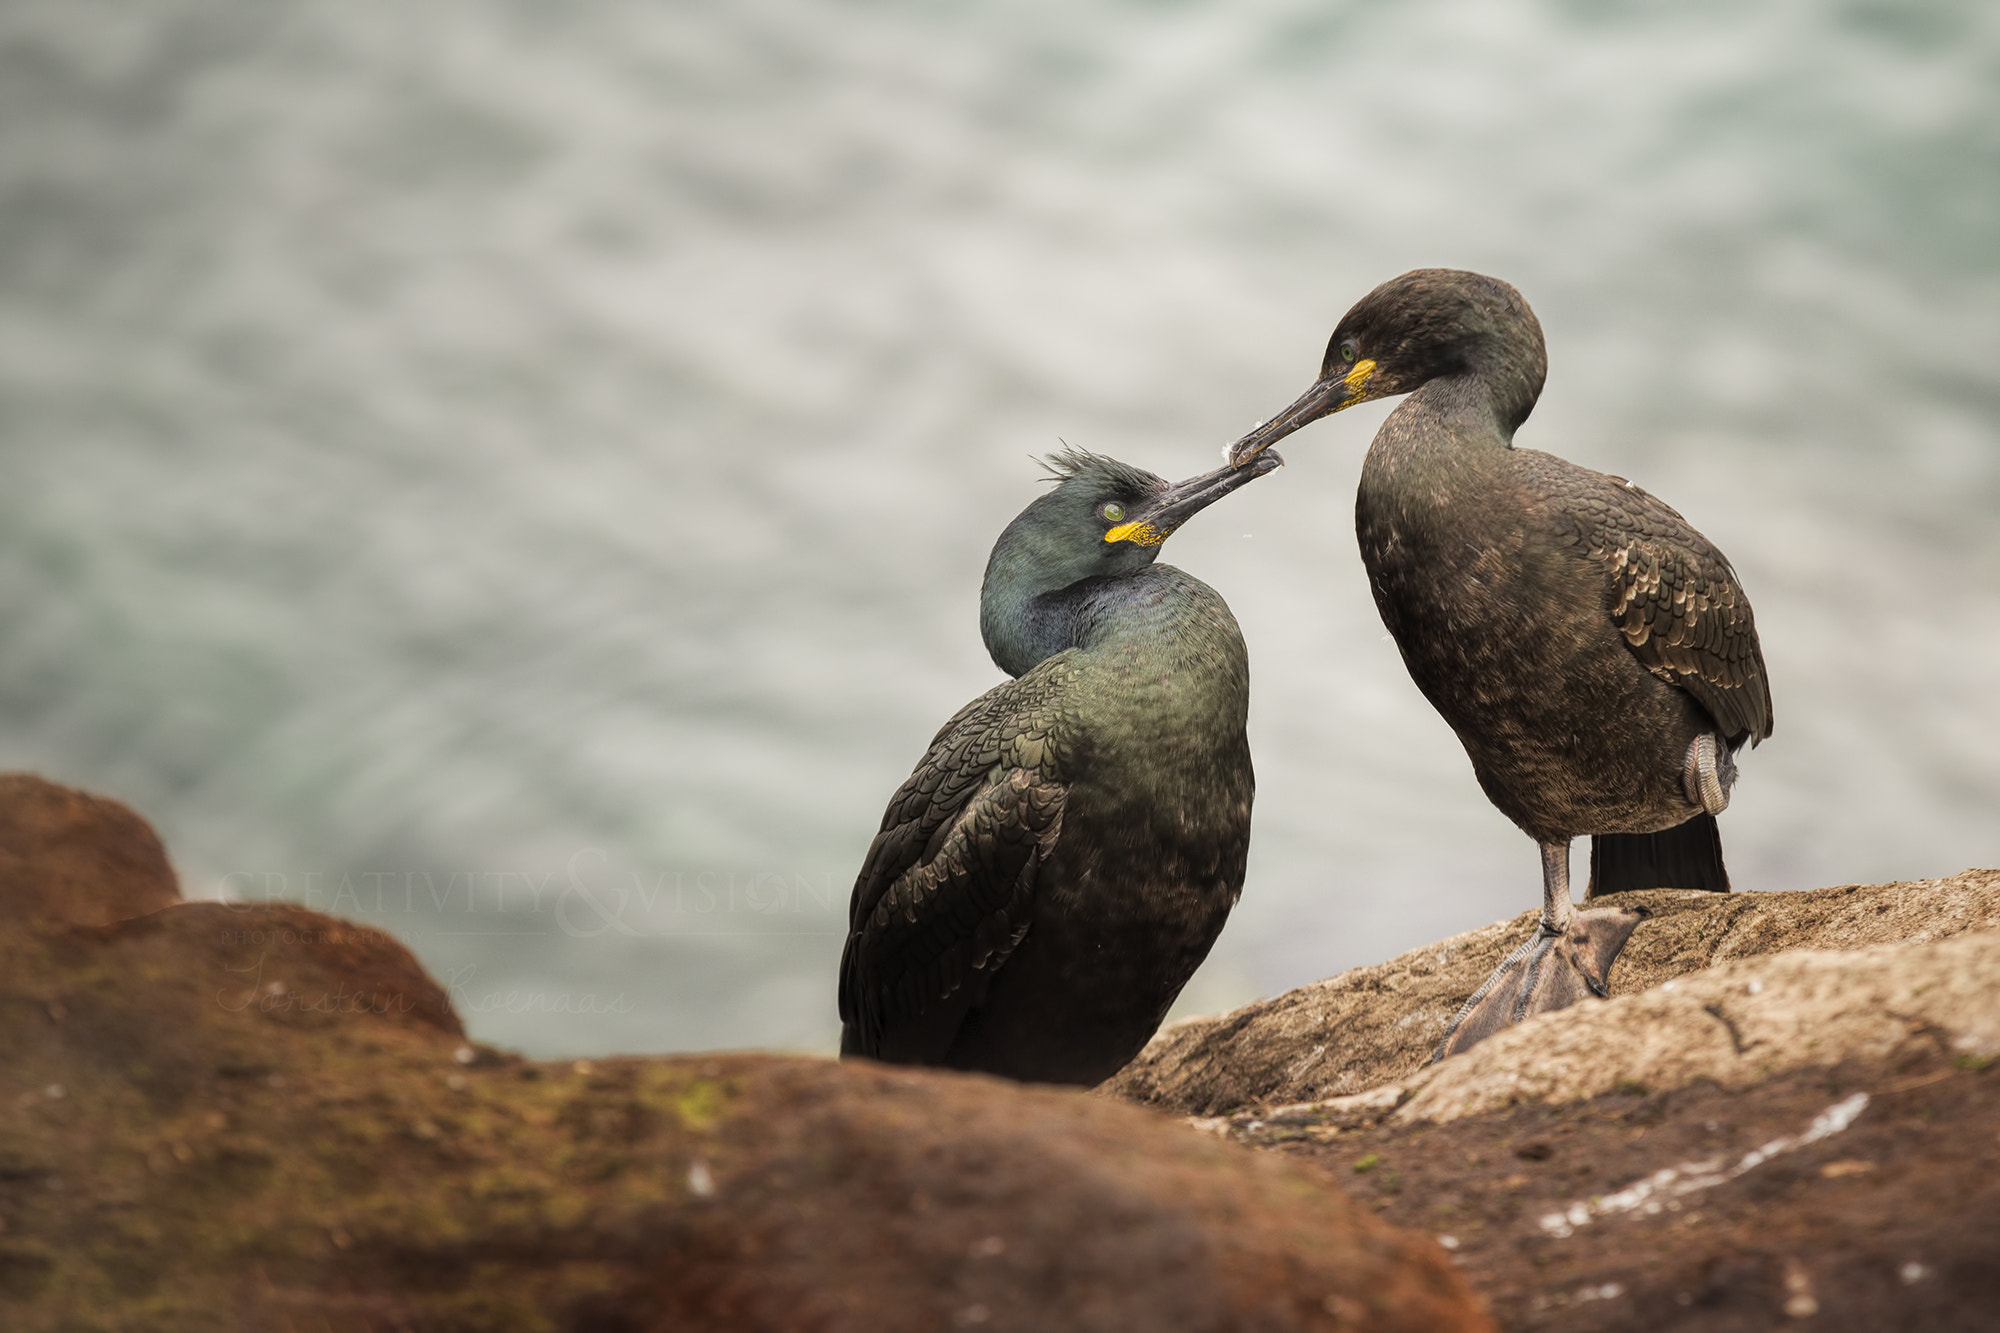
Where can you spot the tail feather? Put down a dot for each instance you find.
(1687, 856)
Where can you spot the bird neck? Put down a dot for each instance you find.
(1024, 625)
(1508, 367)
(1479, 404)
(1443, 441)
(1024, 628)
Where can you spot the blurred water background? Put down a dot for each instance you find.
(520, 474)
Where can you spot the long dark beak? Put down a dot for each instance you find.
(1329, 395)
(1183, 500)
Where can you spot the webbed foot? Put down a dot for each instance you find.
(1552, 970)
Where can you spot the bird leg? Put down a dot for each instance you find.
(1568, 957)
(1708, 775)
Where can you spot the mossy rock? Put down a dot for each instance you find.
(217, 1116)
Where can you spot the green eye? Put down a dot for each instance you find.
(1349, 351)
(1113, 512)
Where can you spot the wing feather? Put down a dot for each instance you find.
(1671, 593)
(946, 892)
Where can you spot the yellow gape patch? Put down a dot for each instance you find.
(1138, 532)
(1356, 382)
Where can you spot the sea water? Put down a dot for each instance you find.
(519, 474)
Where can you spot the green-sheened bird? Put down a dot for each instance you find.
(1069, 846)
(1595, 654)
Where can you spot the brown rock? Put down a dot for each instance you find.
(260, 1118)
(290, 965)
(1792, 1135)
(66, 855)
(1735, 1025)
(1378, 1025)
(1859, 1197)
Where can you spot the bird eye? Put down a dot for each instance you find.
(1349, 352)
(1112, 512)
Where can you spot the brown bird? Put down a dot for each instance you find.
(1595, 654)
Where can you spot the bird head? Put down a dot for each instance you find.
(1429, 324)
(1104, 519)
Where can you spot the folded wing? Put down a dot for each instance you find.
(1672, 594)
(948, 887)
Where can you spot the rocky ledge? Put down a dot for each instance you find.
(225, 1116)
(1788, 1115)
(230, 1117)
